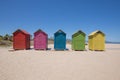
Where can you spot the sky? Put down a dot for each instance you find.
(68, 15)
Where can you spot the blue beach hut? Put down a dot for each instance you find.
(59, 40)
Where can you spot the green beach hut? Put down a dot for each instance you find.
(78, 40)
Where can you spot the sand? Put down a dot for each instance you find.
(60, 65)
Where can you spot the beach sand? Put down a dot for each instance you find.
(60, 65)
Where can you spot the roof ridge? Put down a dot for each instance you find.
(94, 32)
(41, 31)
(60, 31)
(25, 32)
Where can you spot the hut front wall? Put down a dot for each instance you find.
(40, 41)
(78, 42)
(99, 42)
(19, 41)
(60, 41)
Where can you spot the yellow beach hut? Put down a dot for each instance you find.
(96, 41)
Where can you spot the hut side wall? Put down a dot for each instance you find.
(28, 41)
(90, 43)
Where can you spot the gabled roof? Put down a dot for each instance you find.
(95, 32)
(79, 32)
(60, 31)
(23, 31)
(39, 30)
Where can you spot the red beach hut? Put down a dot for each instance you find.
(21, 40)
(40, 40)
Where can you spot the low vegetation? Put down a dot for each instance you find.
(6, 40)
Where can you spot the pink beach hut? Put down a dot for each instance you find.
(40, 40)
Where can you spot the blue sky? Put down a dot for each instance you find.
(68, 15)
